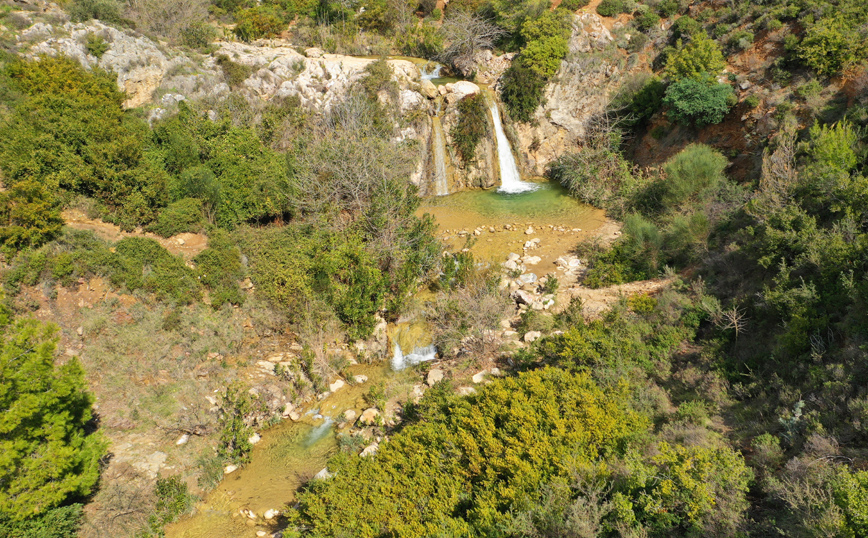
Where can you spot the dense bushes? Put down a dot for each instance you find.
(47, 453)
(463, 470)
(135, 264)
(472, 126)
(69, 133)
(544, 42)
(698, 102)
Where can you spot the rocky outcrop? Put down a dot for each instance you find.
(588, 76)
(143, 68)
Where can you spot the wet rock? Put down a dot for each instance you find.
(428, 89)
(271, 514)
(434, 376)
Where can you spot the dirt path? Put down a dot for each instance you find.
(186, 245)
(597, 301)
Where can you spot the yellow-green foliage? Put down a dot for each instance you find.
(46, 453)
(697, 59)
(70, 133)
(470, 460)
(693, 489)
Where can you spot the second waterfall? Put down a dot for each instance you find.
(510, 179)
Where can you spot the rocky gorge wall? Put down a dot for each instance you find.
(157, 77)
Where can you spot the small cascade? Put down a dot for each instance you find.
(418, 355)
(441, 182)
(433, 73)
(510, 179)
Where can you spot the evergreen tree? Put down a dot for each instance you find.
(46, 453)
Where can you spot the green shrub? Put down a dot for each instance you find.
(96, 45)
(62, 522)
(220, 269)
(692, 174)
(740, 40)
(667, 8)
(699, 58)
(698, 102)
(29, 216)
(472, 126)
(685, 27)
(198, 35)
(441, 468)
(422, 41)
(173, 501)
(48, 451)
(185, 215)
(610, 8)
(235, 433)
(70, 133)
(234, 72)
(546, 42)
(647, 20)
(752, 101)
(521, 91)
(829, 47)
(144, 264)
(258, 22)
(108, 11)
(573, 5)
(809, 89)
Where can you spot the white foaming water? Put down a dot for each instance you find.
(435, 73)
(510, 179)
(319, 432)
(441, 183)
(420, 354)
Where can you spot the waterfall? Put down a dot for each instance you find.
(419, 354)
(510, 179)
(434, 73)
(441, 182)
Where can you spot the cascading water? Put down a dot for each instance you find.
(419, 354)
(430, 75)
(441, 182)
(510, 179)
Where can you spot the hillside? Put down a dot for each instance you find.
(469, 268)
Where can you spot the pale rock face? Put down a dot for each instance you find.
(580, 90)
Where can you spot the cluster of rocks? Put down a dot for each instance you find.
(253, 519)
(508, 227)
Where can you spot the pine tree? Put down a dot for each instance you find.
(46, 453)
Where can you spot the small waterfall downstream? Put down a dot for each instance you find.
(418, 355)
(430, 75)
(441, 181)
(510, 179)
